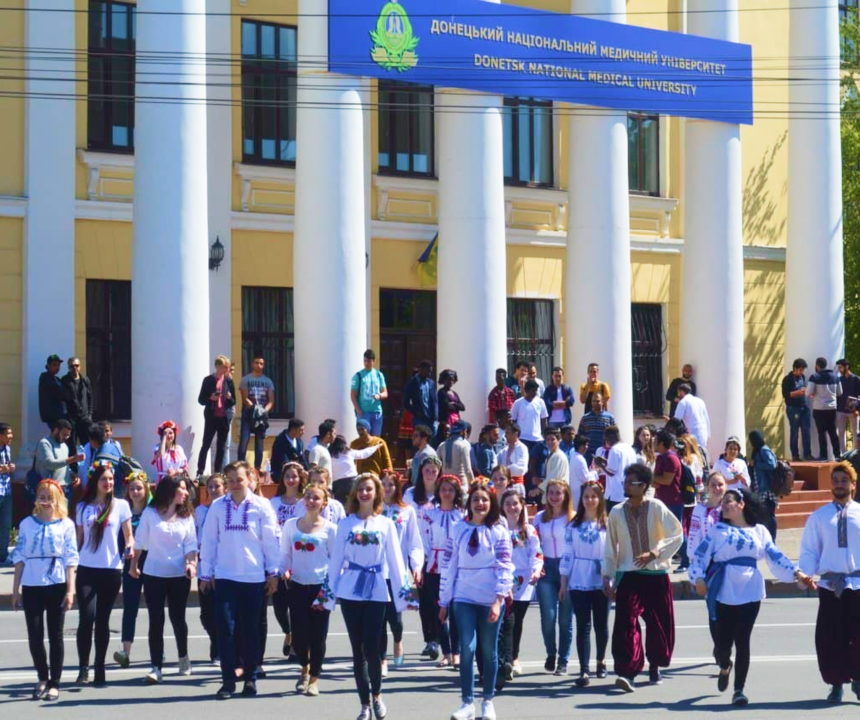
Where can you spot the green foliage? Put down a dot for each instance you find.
(851, 181)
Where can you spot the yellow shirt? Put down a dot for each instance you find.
(593, 387)
(376, 463)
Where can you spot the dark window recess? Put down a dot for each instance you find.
(110, 76)
(643, 138)
(269, 62)
(109, 359)
(528, 146)
(405, 129)
(267, 328)
(649, 343)
(531, 335)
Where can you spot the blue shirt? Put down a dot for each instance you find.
(538, 455)
(5, 479)
(366, 384)
(420, 399)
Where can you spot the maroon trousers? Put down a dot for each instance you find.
(837, 636)
(648, 597)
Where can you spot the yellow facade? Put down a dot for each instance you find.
(535, 262)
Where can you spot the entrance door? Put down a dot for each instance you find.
(407, 328)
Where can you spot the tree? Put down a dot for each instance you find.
(851, 179)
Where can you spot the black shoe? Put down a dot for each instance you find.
(808, 458)
(286, 649)
(821, 459)
(509, 672)
(83, 676)
(654, 676)
(723, 678)
(583, 680)
(601, 671)
(834, 697)
(225, 693)
(434, 651)
(426, 651)
(739, 699)
(250, 689)
(549, 665)
(99, 679)
(560, 669)
(261, 673)
(795, 458)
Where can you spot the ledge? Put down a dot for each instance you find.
(96, 162)
(13, 207)
(249, 174)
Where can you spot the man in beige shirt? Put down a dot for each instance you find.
(455, 454)
(641, 538)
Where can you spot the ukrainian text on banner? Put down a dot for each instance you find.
(511, 50)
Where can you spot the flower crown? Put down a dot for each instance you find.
(98, 465)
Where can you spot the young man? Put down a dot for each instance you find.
(79, 402)
(619, 457)
(667, 478)
(692, 411)
(579, 471)
(797, 410)
(830, 547)
(455, 454)
(557, 465)
(534, 376)
(239, 555)
(847, 413)
(318, 454)
(558, 399)
(53, 460)
(487, 449)
(824, 388)
(421, 435)
(367, 391)
(515, 456)
(7, 469)
(52, 397)
(217, 396)
(100, 448)
(288, 447)
(501, 397)
(517, 381)
(258, 399)
(593, 424)
(672, 392)
(380, 460)
(529, 412)
(641, 538)
(593, 385)
(420, 397)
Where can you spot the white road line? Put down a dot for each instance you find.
(758, 626)
(145, 638)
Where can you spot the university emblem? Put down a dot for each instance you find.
(393, 42)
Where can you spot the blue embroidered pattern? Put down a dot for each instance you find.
(242, 526)
(588, 533)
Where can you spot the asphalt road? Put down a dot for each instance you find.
(783, 679)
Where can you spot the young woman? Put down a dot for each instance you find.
(555, 607)
(476, 579)
(421, 495)
(450, 405)
(138, 496)
(644, 446)
(579, 472)
(582, 579)
(306, 547)
(763, 463)
(501, 480)
(412, 549)
(45, 558)
(440, 523)
(528, 566)
(725, 569)
(733, 467)
(333, 511)
(99, 518)
(366, 542)
(290, 490)
(216, 487)
(343, 468)
(168, 456)
(167, 533)
(691, 457)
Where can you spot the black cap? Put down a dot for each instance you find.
(53, 358)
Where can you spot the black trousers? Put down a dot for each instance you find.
(364, 622)
(208, 620)
(591, 608)
(394, 620)
(512, 629)
(281, 603)
(837, 636)
(213, 428)
(825, 423)
(41, 602)
(427, 610)
(734, 627)
(311, 627)
(444, 633)
(175, 590)
(96, 589)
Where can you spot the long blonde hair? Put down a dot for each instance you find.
(58, 498)
(566, 504)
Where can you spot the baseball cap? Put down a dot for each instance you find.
(53, 358)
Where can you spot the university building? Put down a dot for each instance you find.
(183, 178)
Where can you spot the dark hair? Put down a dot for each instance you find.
(843, 361)
(488, 429)
(165, 492)
(61, 424)
(799, 364)
(258, 355)
(579, 441)
(426, 364)
(303, 479)
(493, 513)
(454, 482)
(593, 364)
(295, 424)
(754, 510)
(90, 494)
(521, 363)
(820, 363)
(325, 427)
(501, 370)
(419, 492)
(551, 430)
(579, 518)
(338, 446)
(686, 387)
(612, 433)
(664, 437)
(558, 368)
(423, 431)
(96, 433)
(523, 519)
(513, 427)
(531, 385)
(4, 428)
(446, 375)
(369, 354)
(675, 426)
(641, 471)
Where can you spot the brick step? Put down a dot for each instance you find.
(800, 507)
(806, 496)
(791, 521)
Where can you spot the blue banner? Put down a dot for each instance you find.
(511, 50)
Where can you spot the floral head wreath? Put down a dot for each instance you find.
(98, 465)
(50, 481)
(168, 425)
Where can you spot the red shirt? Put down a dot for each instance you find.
(669, 494)
(219, 410)
(501, 398)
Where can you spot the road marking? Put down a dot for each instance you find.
(70, 638)
(757, 627)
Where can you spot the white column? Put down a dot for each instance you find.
(49, 227)
(712, 313)
(472, 289)
(329, 245)
(597, 268)
(170, 275)
(219, 131)
(814, 283)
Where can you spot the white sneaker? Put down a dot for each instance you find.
(153, 677)
(466, 712)
(185, 665)
(488, 712)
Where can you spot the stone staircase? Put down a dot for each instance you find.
(811, 491)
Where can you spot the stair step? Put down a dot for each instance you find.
(800, 507)
(806, 496)
(791, 521)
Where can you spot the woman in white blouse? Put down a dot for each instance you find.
(168, 456)
(45, 558)
(100, 518)
(366, 542)
(476, 578)
(216, 486)
(555, 609)
(333, 511)
(582, 578)
(343, 469)
(306, 547)
(732, 467)
(168, 534)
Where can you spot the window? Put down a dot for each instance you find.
(849, 12)
(643, 138)
(110, 67)
(405, 129)
(648, 346)
(267, 329)
(531, 335)
(109, 347)
(269, 59)
(528, 142)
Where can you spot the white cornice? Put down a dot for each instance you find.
(263, 222)
(13, 207)
(104, 210)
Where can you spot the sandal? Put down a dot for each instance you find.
(53, 694)
(39, 690)
(444, 662)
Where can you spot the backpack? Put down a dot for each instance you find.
(688, 485)
(31, 481)
(782, 480)
(125, 465)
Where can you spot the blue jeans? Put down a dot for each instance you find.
(552, 611)
(375, 420)
(232, 600)
(473, 622)
(5, 523)
(245, 438)
(799, 418)
(678, 512)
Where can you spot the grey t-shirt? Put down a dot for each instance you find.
(260, 390)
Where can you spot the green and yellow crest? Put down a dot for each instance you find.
(393, 42)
